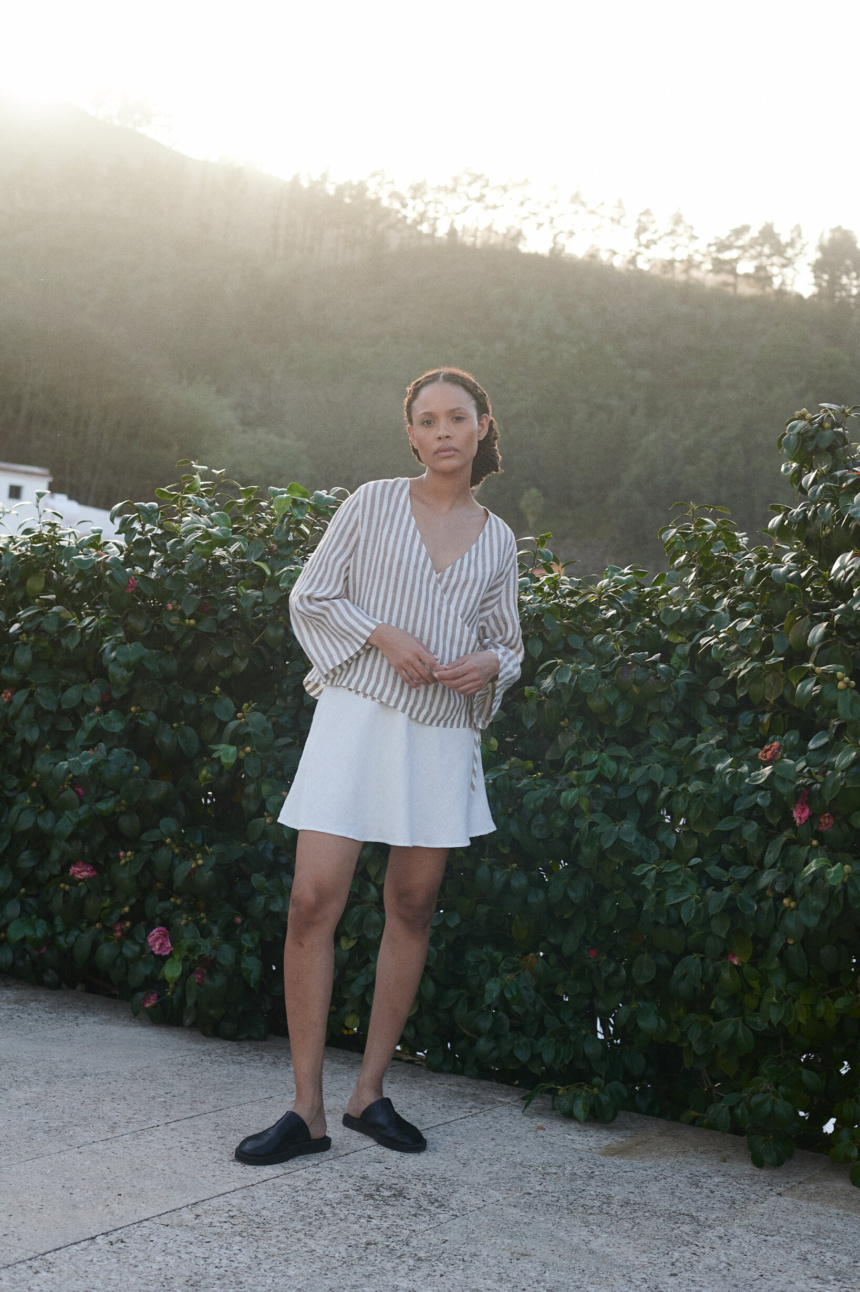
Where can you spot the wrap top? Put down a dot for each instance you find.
(372, 567)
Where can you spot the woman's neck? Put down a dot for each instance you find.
(445, 492)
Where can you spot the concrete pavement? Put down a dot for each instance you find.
(116, 1172)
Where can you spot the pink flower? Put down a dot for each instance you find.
(150, 999)
(200, 976)
(131, 585)
(159, 941)
(237, 919)
(593, 952)
(78, 789)
(82, 870)
(825, 821)
(118, 929)
(733, 958)
(771, 753)
(7, 694)
(43, 949)
(800, 811)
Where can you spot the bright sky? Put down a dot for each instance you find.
(736, 112)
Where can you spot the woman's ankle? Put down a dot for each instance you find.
(364, 1094)
(312, 1113)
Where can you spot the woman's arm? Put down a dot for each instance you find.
(330, 628)
(486, 674)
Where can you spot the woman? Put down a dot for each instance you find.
(408, 612)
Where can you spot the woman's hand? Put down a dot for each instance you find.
(409, 657)
(470, 673)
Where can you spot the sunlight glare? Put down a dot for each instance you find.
(664, 107)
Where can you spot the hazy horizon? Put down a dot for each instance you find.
(707, 112)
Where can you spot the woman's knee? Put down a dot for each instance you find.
(412, 908)
(312, 909)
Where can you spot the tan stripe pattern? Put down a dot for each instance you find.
(371, 567)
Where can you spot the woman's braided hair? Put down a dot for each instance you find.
(487, 460)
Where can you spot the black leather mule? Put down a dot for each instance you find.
(288, 1138)
(381, 1122)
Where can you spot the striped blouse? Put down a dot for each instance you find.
(372, 567)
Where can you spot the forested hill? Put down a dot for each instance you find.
(155, 308)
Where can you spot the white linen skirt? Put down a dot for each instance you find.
(369, 772)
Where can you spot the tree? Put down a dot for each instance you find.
(774, 258)
(680, 244)
(646, 236)
(566, 220)
(617, 228)
(728, 252)
(836, 271)
(132, 111)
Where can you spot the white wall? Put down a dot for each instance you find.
(18, 487)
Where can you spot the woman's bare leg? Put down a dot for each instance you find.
(411, 889)
(325, 864)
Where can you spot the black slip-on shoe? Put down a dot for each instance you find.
(288, 1138)
(381, 1122)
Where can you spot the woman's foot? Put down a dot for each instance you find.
(289, 1137)
(384, 1124)
(362, 1097)
(313, 1116)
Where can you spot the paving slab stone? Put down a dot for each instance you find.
(116, 1172)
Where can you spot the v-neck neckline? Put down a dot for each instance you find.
(440, 573)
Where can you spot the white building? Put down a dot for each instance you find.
(18, 488)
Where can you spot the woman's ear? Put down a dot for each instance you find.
(483, 425)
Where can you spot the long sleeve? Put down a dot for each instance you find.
(331, 629)
(370, 568)
(500, 631)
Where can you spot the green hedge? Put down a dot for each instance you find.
(666, 918)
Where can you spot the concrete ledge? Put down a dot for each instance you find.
(116, 1171)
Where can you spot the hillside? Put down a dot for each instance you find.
(153, 308)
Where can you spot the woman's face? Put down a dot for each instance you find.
(445, 427)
